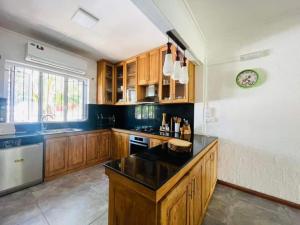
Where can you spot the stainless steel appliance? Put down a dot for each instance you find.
(21, 163)
(138, 144)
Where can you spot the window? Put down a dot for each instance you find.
(34, 93)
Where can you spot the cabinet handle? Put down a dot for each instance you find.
(19, 160)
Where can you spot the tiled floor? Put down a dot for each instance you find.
(81, 199)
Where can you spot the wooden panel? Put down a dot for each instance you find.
(143, 69)
(175, 208)
(196, 186)
(92, 149)
(120, 145)
(127, 207)
(105, 83)
(154, 66)
(206, 178)
(213, 158)
(104, 146)
(56, 156)
(155, 142)
(77, 151)
(191, 86)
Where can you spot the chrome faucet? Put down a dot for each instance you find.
(43, 119)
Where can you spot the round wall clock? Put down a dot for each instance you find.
(247, 78)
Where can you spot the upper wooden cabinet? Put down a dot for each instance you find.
(105, 83)
(143, 69)
(127, 81)
(171, 91)
(154, 66)
(120, 83)
(131, 80)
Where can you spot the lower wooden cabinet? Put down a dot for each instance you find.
(155, 142)
(175, 208)
(56, 155)
(73, 152)
(181, 201)
(104, 146)
(98, 147)
(77, 151)
(120, 143)
(187, 202)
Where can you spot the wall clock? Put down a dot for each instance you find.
(247, 78)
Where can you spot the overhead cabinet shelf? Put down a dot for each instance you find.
(126, 82)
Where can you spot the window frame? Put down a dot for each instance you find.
(11, 73)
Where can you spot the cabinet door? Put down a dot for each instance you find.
(206, 179)
(105, 83)
(120, 145)
(104, 146)
(213, 158)
(77, 151)
(143, 69)
(196, 187)
(92, 149)
(120, 83)
(154, 66)
(175, 207)
(131, 80)
(56, 156)
(155, 142)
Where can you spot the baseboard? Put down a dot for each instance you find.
(261, 195)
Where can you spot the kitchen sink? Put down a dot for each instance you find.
(58, 131)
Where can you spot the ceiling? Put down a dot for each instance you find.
(123, 30)
(217, 18)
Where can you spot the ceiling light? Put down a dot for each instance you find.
(168, 63)
(184, 76)
(84, 18)
(177, 67)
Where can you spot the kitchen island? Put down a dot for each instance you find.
(161, 187)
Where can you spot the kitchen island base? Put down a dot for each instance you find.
(182, 200)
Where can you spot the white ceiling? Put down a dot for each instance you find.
(123, 30)
(217, 18)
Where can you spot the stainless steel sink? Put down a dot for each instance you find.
(58, 131)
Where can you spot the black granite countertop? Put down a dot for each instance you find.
(154, 167)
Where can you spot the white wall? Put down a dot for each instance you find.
(12, 47)
(258, 128)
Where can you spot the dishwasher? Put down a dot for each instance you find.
(21, 163)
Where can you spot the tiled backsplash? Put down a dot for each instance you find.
(127, 117)
(151, 114)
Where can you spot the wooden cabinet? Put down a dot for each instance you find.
(73, 152)
(181, 201)
(105, 83)
(92, 149)
(98, 147)
(143, 69)
(120, 83)
(153, 66)
(196, 207)
(175, 208)
(120, 145)
(56, 156)
(76, 152)
(131, 80)
(154, 142)
(171, 91)
(105, 146)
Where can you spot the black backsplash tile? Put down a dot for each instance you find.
(129, 117)
(126, 117)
